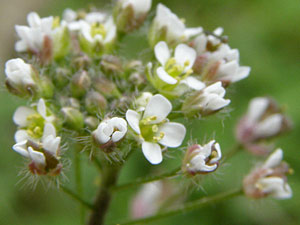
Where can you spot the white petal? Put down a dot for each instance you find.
(257, 107)
(33, 19)
(274, 159)
(103, 133)
(227, 71)
(216, 88)
(37, 157)
(152, 152)
(185, 54)
(162, 52)
(219, 31)
(193, 83)
(164, 76)
(219, 154)
(276, 187)
(21, 114)
(21, 135)
(242, 73)
(20, 148)
(201, 42)
(174, 134)
(133, 119)
(41, 108)
(158, 107)
(51, 144)
(269, 126)
(190, 32)
(49, 130)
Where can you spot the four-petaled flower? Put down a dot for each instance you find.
(154, 129)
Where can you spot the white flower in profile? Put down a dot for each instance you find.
(43, 153)
(140, 7)
(206, 101)
(32, 36)
(154, 129)
(202, 159)
(269, 179)
(113, 129)
(173, 28)
(19, 73)
(175, 70)
(263, 120)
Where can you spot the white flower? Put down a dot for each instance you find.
(174, 70)
(216, 61)
(269, 179)
(32, 120)
(69, 15)
(43, 153)
(263, 120)
(202, 159)
(175, 29)
(142, 101)
(140, 7)
(32, 36)
(18, 72)
(154, 129)
(206, 101)
(113, 129)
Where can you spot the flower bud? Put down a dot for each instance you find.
(130, 14)
(106, 87)
(269, 179)
(202, 159)
(109, 132)
(81, 82)
(142, 101)
(82, 62)
(111, 64)
(46, 87)
(73, 118)
(264, 120)
(95, 103)
(92, 122)
(61, 77)
(71, 102)
(20, 78)
(206, 101)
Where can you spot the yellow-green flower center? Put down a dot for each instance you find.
(98, 29)
(177, 71)
(150, 132)
(36, 125)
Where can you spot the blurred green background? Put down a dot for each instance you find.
(266, 32)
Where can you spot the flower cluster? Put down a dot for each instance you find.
(82, 89)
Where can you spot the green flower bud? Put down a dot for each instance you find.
(81, 82)
(61, 77)
(106, 87)
(92, 122)
(95, 103)
(73, 118)
(111, 64)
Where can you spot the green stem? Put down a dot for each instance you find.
(140, 181)
(78, 181)
(190, 206)
(103, 199)
(76, 197)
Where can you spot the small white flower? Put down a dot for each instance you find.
(18, 72)
(32, 36)
(113, 129)
(69, 15)
(31, 121)
(206, 101)
(269, 179)
(40, 152)
(140, 7)
(175, 70)
(154, 129)
(175, 29)
(202, 159)
(263, 120)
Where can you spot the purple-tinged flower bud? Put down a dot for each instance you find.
(202, 159)
(82, 62)
(264, 120)
(269, 179)
(130, 14)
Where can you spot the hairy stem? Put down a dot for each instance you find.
(140, 181)
(101, 204)
(187, 207)
(76, 197)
